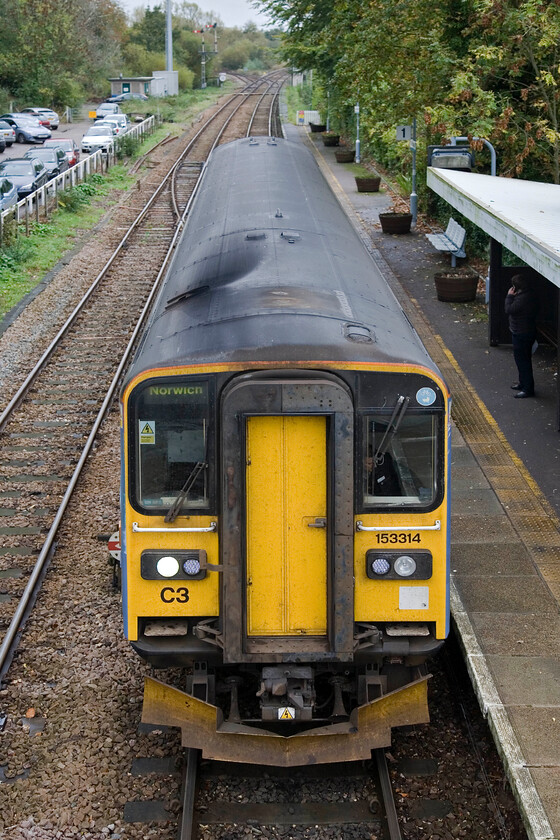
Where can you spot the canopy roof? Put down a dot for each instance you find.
(523, 215)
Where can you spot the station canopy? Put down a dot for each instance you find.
(524, 216)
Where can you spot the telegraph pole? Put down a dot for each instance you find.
(168, 38)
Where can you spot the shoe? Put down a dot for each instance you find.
(516, 387)
(522, 395)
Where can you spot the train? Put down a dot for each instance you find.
(285, 478)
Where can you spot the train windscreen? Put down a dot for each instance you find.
(171, 441)
(400, 461)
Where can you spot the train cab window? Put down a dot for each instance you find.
(171, 449)
(400, 460)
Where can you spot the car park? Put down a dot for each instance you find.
(125, 97)
(68, 146)
(27, 128)
(120, 121)
(46, 116)
(26, 175)
(54, 160)
(8, 194)
(107, 108)
(98, 137)
(7, 133)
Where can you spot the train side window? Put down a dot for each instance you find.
(171, 444)
(400, 465)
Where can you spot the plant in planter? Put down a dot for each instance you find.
(395, 222)
(317, 127)
(345, 155)
(366, 181)
(456, 285)
(330, 138)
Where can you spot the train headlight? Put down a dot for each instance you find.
(183, 564)
(167, 566)
(405, 565)
(393, 565)
(380, 566)
(191, 566)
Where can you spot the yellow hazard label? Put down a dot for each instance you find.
(286, 713)
(147, 429)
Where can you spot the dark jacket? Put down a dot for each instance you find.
(521, 310)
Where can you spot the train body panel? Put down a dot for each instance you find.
(285, 487)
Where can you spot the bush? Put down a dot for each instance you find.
(127, 146)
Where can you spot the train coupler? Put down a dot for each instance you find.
(287, 693)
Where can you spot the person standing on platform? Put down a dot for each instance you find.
(521, 308)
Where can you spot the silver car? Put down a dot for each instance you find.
(44, 114)
(8, 194)
(98, 137)
(120, 122)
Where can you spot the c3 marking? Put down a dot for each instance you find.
(168, 595)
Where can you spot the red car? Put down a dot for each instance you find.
(68, 146)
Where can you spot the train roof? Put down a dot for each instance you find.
(269, 268)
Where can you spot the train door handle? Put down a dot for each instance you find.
(320, 522)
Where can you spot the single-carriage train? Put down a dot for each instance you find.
(284, 484)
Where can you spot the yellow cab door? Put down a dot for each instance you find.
(286, 523)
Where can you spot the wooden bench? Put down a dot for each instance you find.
(452, 241)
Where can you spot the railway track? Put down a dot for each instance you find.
(49, 425)
(346, 800)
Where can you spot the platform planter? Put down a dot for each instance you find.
(345, 155)
(395, 222)
(368, 184)
(330, 139)
(456, 285)
(317, 127)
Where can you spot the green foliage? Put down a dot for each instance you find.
(73, 200)
(127, 146)
(483, 68)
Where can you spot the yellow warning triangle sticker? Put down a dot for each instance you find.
(286, 714)
(147, 430)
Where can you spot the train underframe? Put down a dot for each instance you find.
(292, 712)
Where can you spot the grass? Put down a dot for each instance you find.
(24, 261)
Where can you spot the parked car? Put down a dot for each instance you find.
(2, 144)
(27, 128)
(107, 108)
(46, 116)
(54, 160)
(68, 146)
(98, 137)
(7, 133)
(120, 121)
(8, 194)
(27, 175)
(125, 97)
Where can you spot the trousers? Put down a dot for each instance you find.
(523, 356)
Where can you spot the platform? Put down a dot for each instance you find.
(505, 555)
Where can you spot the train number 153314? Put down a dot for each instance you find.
(398, 538)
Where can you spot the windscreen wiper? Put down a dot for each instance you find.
(391, 430)
(173, 511)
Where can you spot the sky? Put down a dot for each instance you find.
(232, 12)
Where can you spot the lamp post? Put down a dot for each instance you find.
(357, 112)
(413, 194)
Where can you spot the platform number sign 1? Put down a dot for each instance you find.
(404, 132)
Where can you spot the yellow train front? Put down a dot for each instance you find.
(284, 492)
